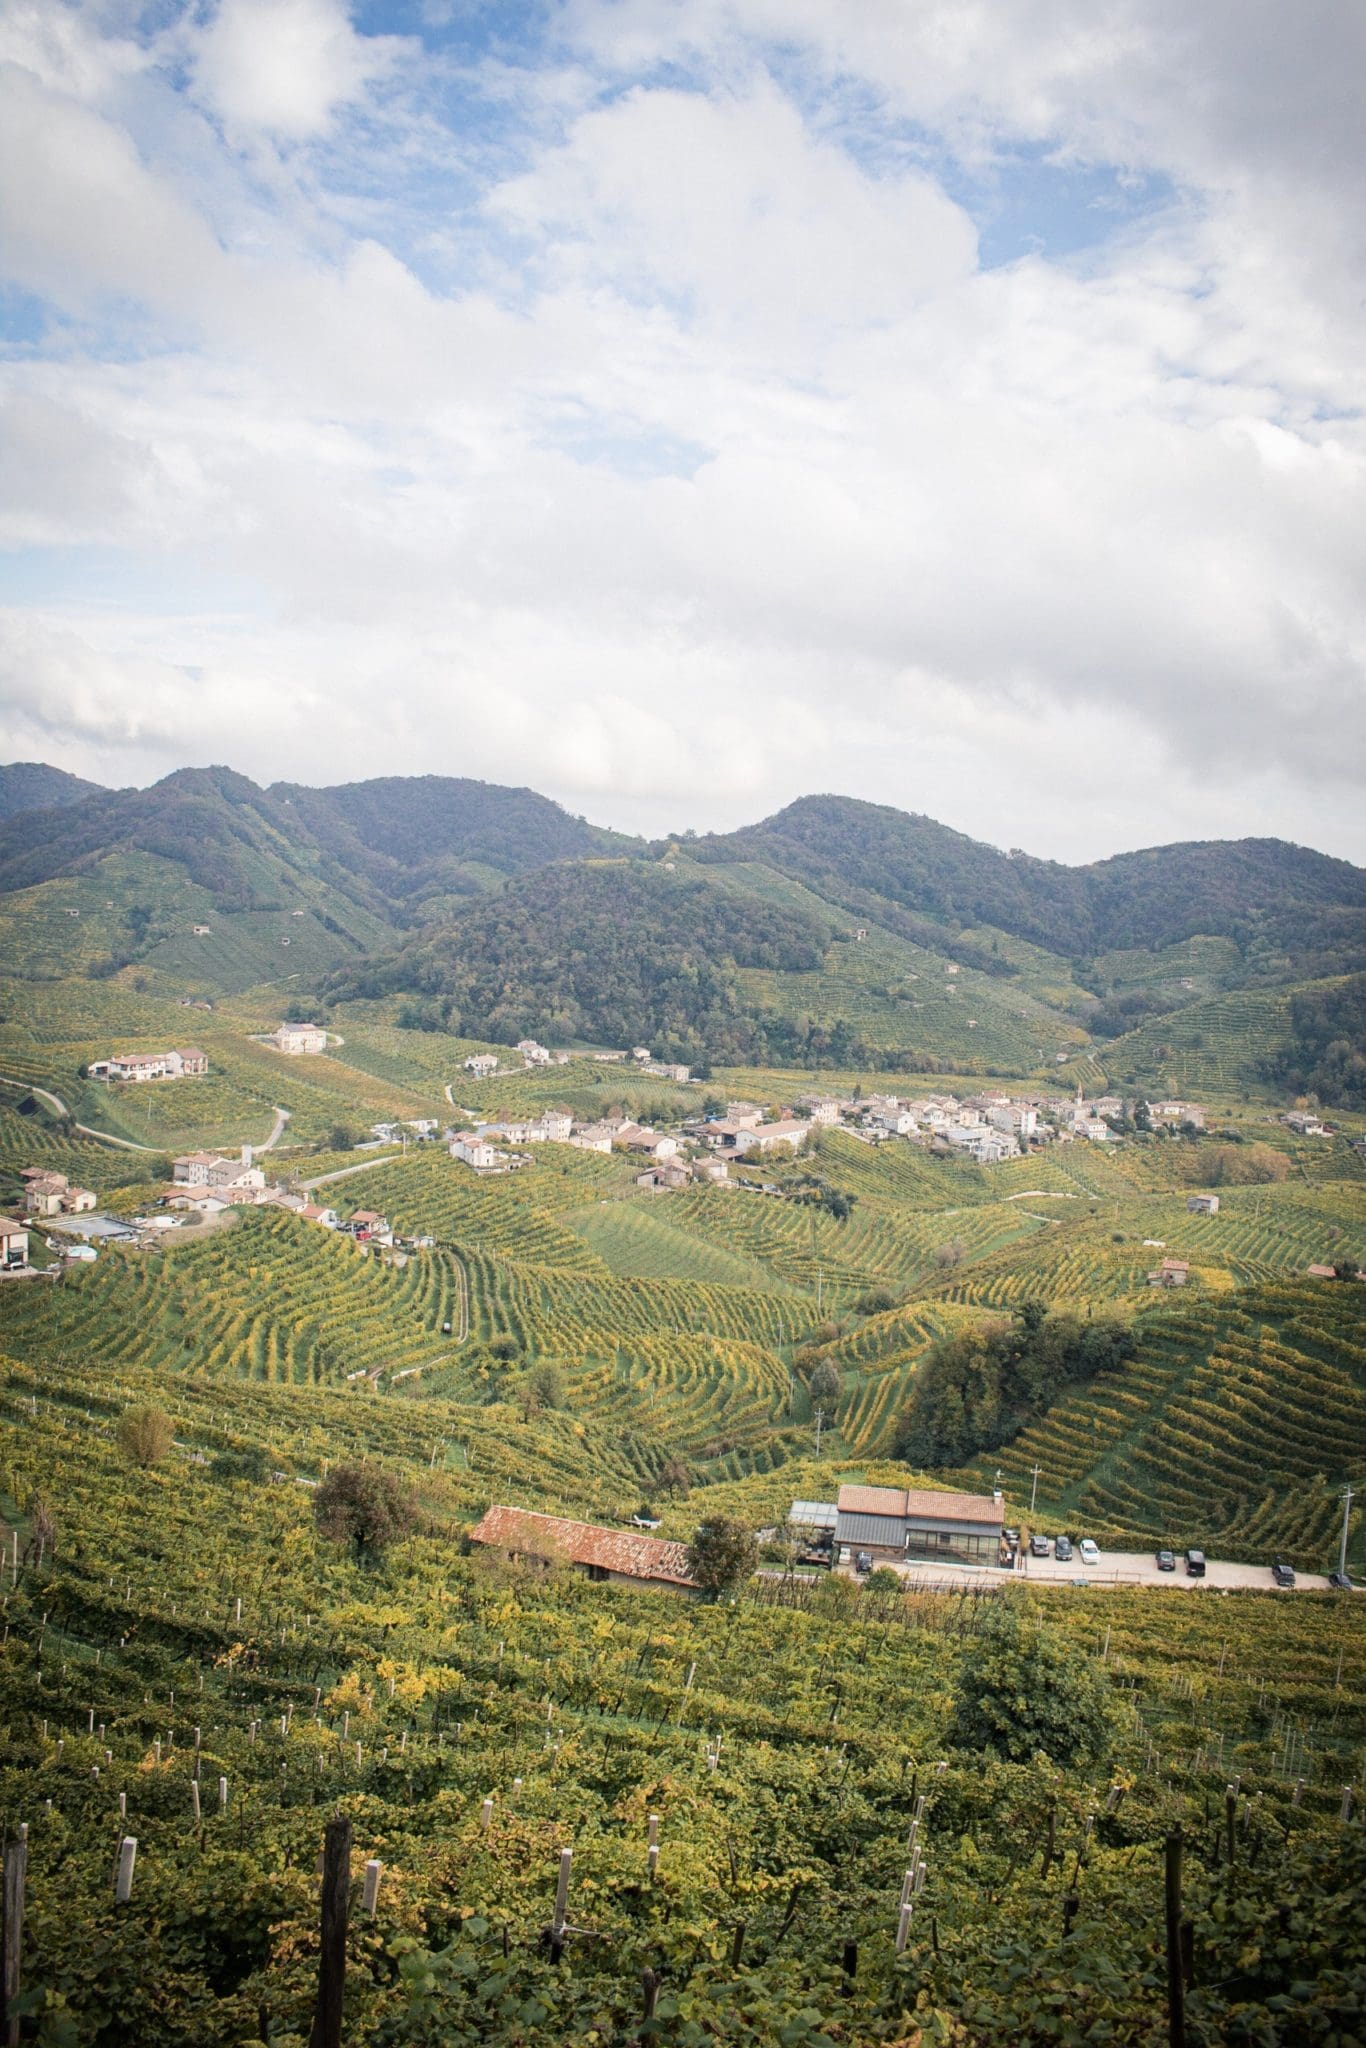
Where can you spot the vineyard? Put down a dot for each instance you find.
(188, 1663)
(1234, 1430)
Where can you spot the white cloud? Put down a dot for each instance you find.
(721, 470)
(286, 66)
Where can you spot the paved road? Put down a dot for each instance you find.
(1124, 1568)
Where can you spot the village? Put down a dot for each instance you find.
(726, 1145)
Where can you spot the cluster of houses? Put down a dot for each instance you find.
(51, 1194)
(533, 1054)
(179, 1065)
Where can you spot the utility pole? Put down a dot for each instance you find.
(1034, 1489)
(1347, 1498)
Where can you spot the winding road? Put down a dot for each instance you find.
(59, 1108)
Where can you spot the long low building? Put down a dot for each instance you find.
(915, 1525)
(620, 1557)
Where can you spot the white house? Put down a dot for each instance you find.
(476, 1152)
(981, 1142)
(764, 1137)
(482, 1064)
(13, 1245)
(534, 1054)
(194, 1169)
(593, 1137)
(654, 1144)
(297, 1038)
(1018, 1117)
(826, 1110)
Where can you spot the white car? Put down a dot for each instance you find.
(1089, 1553)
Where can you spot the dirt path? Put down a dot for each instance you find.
(344, 1172)
(59, 1108)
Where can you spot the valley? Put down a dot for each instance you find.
(1006, 1096)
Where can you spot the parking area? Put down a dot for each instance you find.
(1116, 1568)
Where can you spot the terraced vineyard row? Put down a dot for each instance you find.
(269, 1298)
(1234, 1430)
(549, 1309)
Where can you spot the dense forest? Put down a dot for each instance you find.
(613, 953)
(979, 1389)
(1292, 911)
(1326, 1052)
(33, 786)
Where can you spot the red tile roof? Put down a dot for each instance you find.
(925, 1503)
(615, 1550)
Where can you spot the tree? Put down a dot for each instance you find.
(721, 1554)
(675, 1478)
(145, 1435)
(365, 1506)
(825, 1384)
(546, 1382)
(1022, 1691)
(340, 1138)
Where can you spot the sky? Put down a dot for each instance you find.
(680, 406)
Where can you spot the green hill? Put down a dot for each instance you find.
(33, 786)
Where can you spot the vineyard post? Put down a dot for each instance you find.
(1176, 1984)
(336, 1902)
(123, 1882)
(561, 1907)
(16, 1869)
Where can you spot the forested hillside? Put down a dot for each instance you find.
(33, 786)
(608, 953)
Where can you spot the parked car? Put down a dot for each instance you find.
(863, 1561)
(1062, 1550)
(1283, 1573)
(1038, 1546)
(1195, 1564)
(1340, 1582)
(1165, 1560)
(1089, 1552)
(1012, 1537)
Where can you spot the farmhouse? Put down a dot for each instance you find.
(1203, 1205)
(481, 1064)
(13, 1245)
(1178, 1113)
(763, 1137)
(896, 1522)
(299, 1038)
(477, 1153)
(653, 1144)
(617, 1557)
(1171, 1273)
(535, 1055)
(593, 1137)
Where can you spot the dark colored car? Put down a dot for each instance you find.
(1062, 1550)
(1038, 1546)
(863, 1561)
(1165, 1560)
(1283, 1573)
(1340, 1582)
(1195, 1564)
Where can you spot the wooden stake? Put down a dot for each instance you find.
(123, 1882)
(16, 1870)
(370, 1896)
(336, 1902)
(1176, 1983)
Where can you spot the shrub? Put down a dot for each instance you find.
(145, 1435)
(1022, 1691)
(250, 1462)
